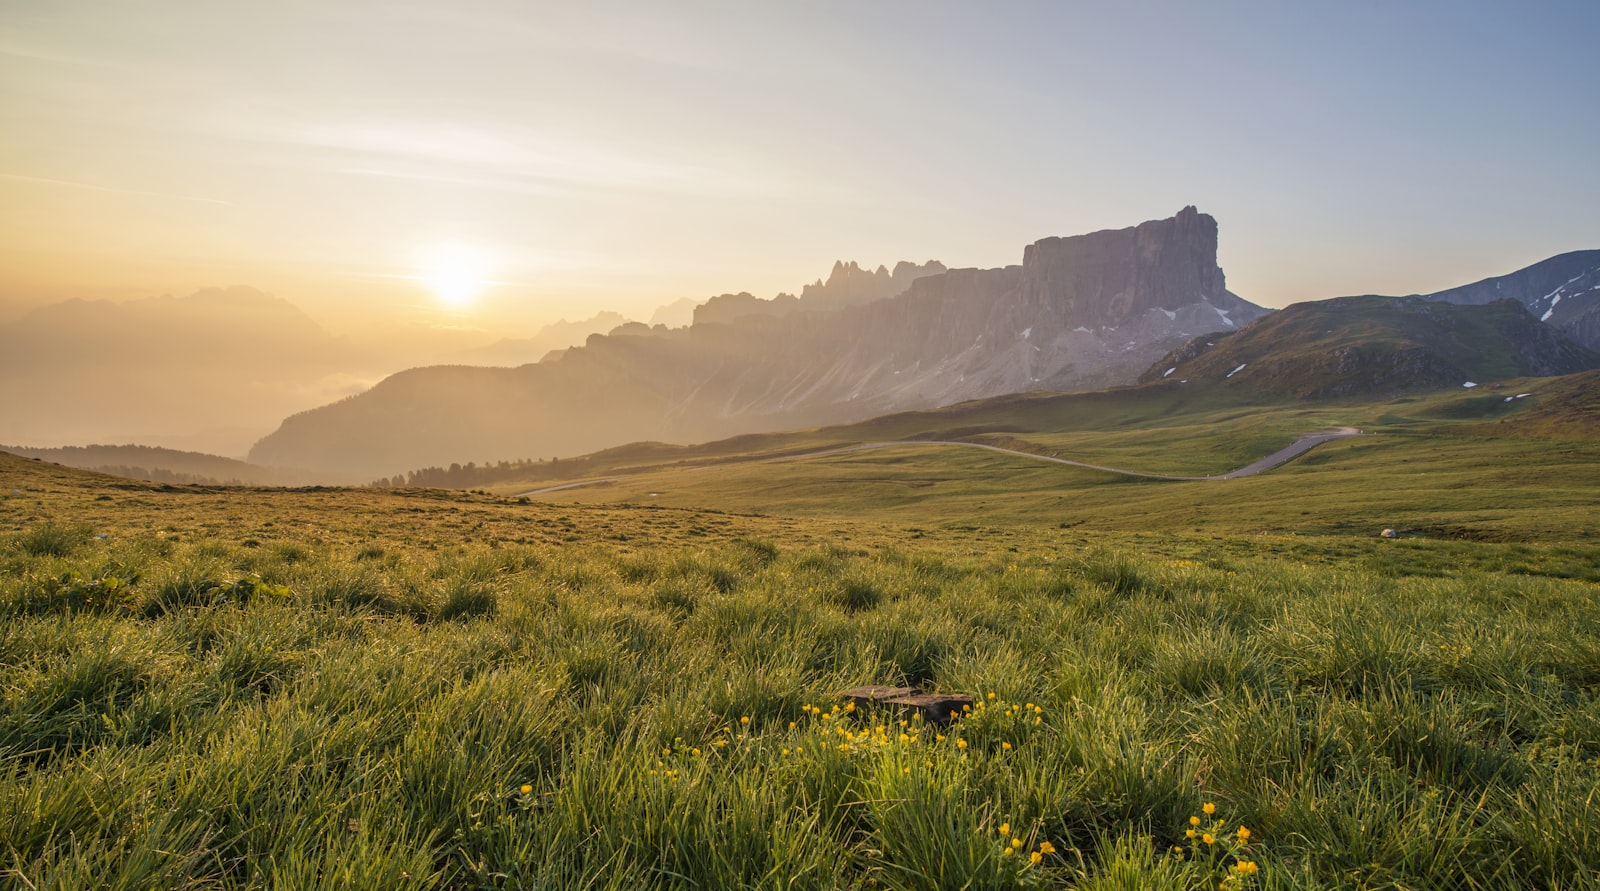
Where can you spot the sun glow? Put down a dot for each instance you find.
(457, 274)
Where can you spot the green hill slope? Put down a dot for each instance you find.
(1375, 346)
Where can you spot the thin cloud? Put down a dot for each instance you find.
(551, 162)
(501, 184)
(40, 55)
(116, 191)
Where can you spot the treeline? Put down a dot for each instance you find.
(159, 475)
(471, 474)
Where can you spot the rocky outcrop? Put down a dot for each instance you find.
(1087, 311)
(850, 285)
(1113, 277)
(726, 309)
(847, 285)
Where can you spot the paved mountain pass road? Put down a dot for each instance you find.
(1294, 450)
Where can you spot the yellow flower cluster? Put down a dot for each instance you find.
(1214, 844)
(851, 730)
(1014, 845)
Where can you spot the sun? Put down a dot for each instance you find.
(457, 274)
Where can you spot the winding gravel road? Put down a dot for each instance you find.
(1294, 450)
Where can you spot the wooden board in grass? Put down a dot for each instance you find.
(938, 708)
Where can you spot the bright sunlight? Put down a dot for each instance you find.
(457, 274)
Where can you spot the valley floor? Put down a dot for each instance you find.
(415, 688)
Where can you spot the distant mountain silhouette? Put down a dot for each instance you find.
(85, 371)
(847, 285)
(1084, 311)
(676, 314)
(554, 336)
(1375, 346)
(1563, 291)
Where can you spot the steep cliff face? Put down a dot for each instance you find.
(1087, 311)
(1112, 277)
(1563, 291)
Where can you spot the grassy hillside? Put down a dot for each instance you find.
(412, 688)
(1375, 347)
(161, 465)
(1424, 468)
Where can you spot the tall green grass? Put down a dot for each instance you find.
(603, 714)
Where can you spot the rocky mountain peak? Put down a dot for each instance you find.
(1116, 275)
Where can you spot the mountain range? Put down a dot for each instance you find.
(1147, 304)
(1078, 312)
(1375, 347)
(1563, 291)
(145, 370)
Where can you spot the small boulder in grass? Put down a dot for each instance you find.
(937, 708)
(1389, 533)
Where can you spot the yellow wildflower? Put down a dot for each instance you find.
(1035, 857)
(1189, 833)
(1209, 808)
(1244, 834)
(961, 743)
(1047, 848)
(526, 789)
(745, 721)
(1005, 828)
(1209, 839)
(1194, 821)
(1006, 746)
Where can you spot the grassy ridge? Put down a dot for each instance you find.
(1418, 481)
(1425, 469)
(420, 689)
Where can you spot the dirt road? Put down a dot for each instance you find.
(1299, 447)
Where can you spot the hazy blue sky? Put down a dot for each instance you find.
(623, 155)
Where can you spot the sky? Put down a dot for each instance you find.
(488, 166)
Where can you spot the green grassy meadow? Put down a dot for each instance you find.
(1447, 465)
(603, 688)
